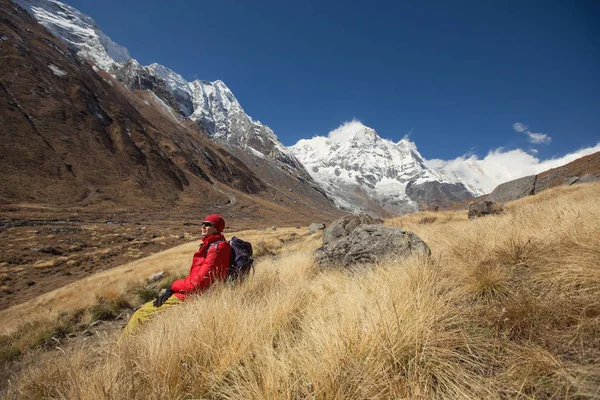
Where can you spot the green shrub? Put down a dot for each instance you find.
(107, 309)
(145, 294)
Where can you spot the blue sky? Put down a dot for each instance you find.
(455, 75)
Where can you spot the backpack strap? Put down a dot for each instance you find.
(215, 244)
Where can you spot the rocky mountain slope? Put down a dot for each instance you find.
(73, 134)
(211, 105)
(359, 169)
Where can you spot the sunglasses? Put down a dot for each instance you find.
(207, 224)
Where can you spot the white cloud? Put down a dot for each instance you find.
(520, 127)
(537, 138)
(500, 166)
(347, 130)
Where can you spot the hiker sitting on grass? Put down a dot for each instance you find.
(210, 263)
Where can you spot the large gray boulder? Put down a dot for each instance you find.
(588, 178)
(345, 225)
(315, 227)
(570, 181)
(368, 243)
(513, 190)
(585, 178)
(481, 208)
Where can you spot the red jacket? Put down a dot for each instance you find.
(209, 264)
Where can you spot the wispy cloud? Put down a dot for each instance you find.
(539, 138)
(520, 127)
(500, 166)
(536, 138)
(407, 136)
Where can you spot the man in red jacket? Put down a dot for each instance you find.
(210, 264)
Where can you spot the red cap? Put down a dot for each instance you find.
(216, 221)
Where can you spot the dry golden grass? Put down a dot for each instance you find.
(507, 307)
(85, 292)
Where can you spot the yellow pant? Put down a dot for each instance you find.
(146, 312)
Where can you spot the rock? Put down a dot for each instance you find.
(6, 289)
(44, 264)
(156, 276)
(571, 181)
(513, 190)
(314, 227)
(369, 243)
(47, 250)
(585, 178)
(76, 247)
(588, 178)
(484, 207)
(345, 225)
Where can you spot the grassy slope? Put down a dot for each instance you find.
(506, 307)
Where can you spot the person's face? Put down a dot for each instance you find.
(208, 229)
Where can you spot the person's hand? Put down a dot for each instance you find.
(162, 298)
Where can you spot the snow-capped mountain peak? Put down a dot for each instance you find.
(172, 78)
(356, 147)
(355, 156)
(78, 30)
(353, 132)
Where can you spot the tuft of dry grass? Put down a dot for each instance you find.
(506, 307)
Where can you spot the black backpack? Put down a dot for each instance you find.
(240, 259)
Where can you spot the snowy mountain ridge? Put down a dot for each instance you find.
(78, 31)
(354, 157)
(211, 105)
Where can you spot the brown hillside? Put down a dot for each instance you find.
(557, 176)
(70, 135)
